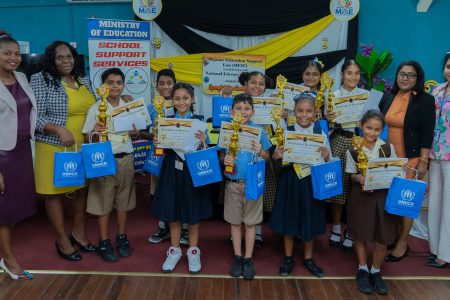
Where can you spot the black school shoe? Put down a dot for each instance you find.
(123, 245)
(287, 266)
(236, 266)
(378, 283)
(363, 282)
(313, 268)
(106, 251)
(248, 269)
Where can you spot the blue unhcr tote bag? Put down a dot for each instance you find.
(98, 159)
(255, 179)
(405, 197)
(153, 163)
(68, 169)
(221, 110)
(204, 166)
(326, 179)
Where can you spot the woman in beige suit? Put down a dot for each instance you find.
(18, 121)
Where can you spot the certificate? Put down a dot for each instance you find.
(303, 148)
(291, 90)
(172, 133)
(349, 109)
(381, 171)
(263, 107)
(133, 113)
(247, 134)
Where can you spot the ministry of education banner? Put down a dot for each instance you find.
(123, 44)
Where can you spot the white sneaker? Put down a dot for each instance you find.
(173, 257)
(193, 254)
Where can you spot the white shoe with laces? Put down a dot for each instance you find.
(173, 257)
(195, 265)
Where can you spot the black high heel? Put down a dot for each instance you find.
(74, 256)
(85, 248)
(433, 263)
(393, 258)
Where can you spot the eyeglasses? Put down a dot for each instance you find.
(408, 76)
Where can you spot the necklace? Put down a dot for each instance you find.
(8, 81)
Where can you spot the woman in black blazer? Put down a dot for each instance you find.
(410, 115)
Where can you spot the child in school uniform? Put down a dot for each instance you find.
(340, 142)
(176, 200)
(296, 213)
(115, 192)
(237, 209)
(368, 222)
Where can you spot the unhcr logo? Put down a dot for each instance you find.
(203, 168)
(407, 198)
(98, 160)
(70, 168)
(330, 179)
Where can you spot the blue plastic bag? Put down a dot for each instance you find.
(405, 197)
(326, 179)
(68, 169)
(153, 163)
(221, 110)
(204, 166)
(98, 159)
(255, 179)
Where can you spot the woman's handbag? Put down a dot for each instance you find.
(98, 158)
(68, 168)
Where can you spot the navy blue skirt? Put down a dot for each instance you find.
(296, 212)
(175, 197)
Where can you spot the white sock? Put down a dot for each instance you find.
(365, 268)
(162, 225)
(185, 226)
(336, 229)
(258, 229)
(374, 270)
(347, 242)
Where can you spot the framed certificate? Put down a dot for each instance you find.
(247, 134)
(303, 148)
(381, 171)
(172, 133)
(349, 109)
(262, 107)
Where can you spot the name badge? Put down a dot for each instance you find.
(178, 165)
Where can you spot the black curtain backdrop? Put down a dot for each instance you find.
(243, 18)
(251, 19)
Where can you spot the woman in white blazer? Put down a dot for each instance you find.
(18, 122)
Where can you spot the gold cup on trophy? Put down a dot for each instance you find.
(281, 82)
(320, 98)
(329, 81)
(233, 147)
(362, 160)
(158, 104)
(279, 132)
(102, 116)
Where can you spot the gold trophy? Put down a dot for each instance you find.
(234, 138)
(358, 143)
(281, 82)
(320, 97)
(329, 81)
(158, 104)
(279, 132)
(102, 117)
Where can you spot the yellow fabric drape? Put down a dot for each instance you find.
(188, 68)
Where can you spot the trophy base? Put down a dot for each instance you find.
(230, 170)
(159, 152)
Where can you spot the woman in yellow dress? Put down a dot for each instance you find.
(63, 97)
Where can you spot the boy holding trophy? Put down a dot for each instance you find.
(117, 191)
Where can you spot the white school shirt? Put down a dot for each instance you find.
(118, 147)
(344, 93)
(373, 153)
